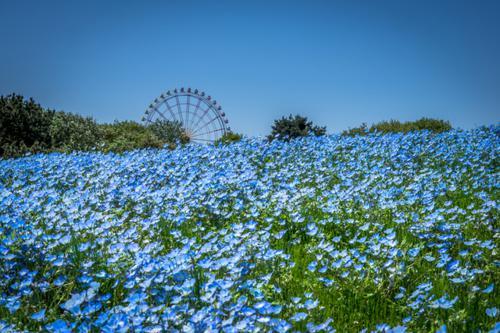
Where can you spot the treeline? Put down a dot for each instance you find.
(291, 127)
(392, 126)
(26, 127)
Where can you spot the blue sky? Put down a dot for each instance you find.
(338, 62)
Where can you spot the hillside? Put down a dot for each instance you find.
(387, 233)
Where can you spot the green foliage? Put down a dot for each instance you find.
(361, 130)
(128, 135)
(392, 126)
(24, 126)
(169, 132)
(292, 127)
(70, 132)
(228, 138)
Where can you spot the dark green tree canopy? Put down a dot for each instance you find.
(169, 131)
(26, 127)
(23, 123)
(292, 127)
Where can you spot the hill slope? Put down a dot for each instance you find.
(318, 234)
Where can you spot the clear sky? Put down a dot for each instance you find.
(338, 62)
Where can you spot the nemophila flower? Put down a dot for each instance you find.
(13, 304)
(413, 252)
(312, 229)
(59, 326)
(442, 329)
(444, 303)
(298, 316)
(59, 281)
(492, 312)
(495, 328)
(452, 266)
(38, 316)
(310, 304)
(489, 289)
(73, 304)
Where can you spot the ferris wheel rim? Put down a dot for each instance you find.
(217, 124)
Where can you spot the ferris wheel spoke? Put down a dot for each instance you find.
(179, 109)
(205, 125)
(207, 133)
(170, 110)
(187, 111)
(193, 110)
(202, 116)
(197, 107)
(160, 113)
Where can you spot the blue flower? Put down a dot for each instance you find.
(59, 326)
(489, 289)
(442, 329)
(299, 316)
(73, 304)
(492, 312)
(310, 304)
(312, 229)
(444, 303)
(39, 316)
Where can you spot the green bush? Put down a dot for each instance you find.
(24, 126)
(70, 132)
(228, 138)
(169, 132)
(291, 127)
(361, 130)
(393, 126)
(128, 135)
(434, 125)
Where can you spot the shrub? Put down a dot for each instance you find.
(361, 130)
(24, 126)
(228, 138)
(169, 132)
(393, 126)
(70, 132)
(434, 125)
(128, 135)
(291, 127)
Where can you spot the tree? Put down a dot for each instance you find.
(128, 135)
(169, 132)
(291, 127)
(24, 126)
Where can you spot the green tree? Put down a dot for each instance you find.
(287, 128)
(70, 132)
(169, 132)
(24, 126)
(128, 135)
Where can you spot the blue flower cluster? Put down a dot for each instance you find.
(379, 233)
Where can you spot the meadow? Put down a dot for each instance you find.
(384, 233)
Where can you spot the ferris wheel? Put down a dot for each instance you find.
(199, 115)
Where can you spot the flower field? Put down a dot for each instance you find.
(386, 233)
